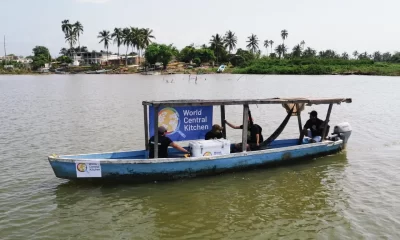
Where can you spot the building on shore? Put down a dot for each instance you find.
(101, 58)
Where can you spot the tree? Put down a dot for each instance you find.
(145, 37)
(78, 29)
(63, 51)
(165, 54)
(355, 54)
(345, 56)
(117, 35)
(126, 40)
(217, 45)
(159, 53)
(187, 54)
(281, 50)
(302, 43)
(230, 41)
(271, 43)
(64, 59)
(395, 58)
(296, 52)
(41, 50)
(105, 38)
(266, 45)
(328, 54)
(65, 26)
(252, 43)
(284, 35)
(41, 56)
(309, 53)
(386, 57)
(136, 39)
(377, 56)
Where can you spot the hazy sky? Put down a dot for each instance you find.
(342, 25)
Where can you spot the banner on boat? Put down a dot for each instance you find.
(88, 169)
(183, 123)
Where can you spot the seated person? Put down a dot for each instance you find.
(254, 136)
(215, 133)
(163, 143)
(316, 127)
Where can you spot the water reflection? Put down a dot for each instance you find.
(263, 203)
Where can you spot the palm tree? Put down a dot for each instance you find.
(302, 43)
(136, 39)
(145, 38)
(345, 56)
(65, 26)
(377, 56)
(70, 37)
(78, 30)
(309, 52)
(355, 54)
(230, 41)
(105, 38)
(217, 44)
(296, 52)
(126, 40)
(252, 43)
(281, 50)
(118, 37)
(284, 35)
(271, 43)
(266, 45)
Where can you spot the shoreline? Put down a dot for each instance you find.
(250, 70)
(209, 73)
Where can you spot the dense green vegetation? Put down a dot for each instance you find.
(316, 66)
(221, 49)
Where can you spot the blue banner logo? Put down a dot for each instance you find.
(183, 123)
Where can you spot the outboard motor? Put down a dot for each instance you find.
(342, 131)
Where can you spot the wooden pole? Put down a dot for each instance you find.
(146, 128)
(326, 122)
(245, 125)
(299, 117)
(156, 109)
(300, 124)
(223, 121)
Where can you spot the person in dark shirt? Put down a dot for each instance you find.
(163, 143)
(314, 127)
(254, 136)
(215, 133)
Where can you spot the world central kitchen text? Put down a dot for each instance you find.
(194, 121)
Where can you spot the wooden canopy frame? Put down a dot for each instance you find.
(245, 102)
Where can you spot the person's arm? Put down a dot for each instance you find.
(258, 139)
(306, 127)
(176, 146)
(231, 125)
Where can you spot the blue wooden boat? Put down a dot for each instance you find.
(136, 165)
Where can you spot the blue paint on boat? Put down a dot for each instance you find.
(136, 166)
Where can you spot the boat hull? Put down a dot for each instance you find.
(146, 170)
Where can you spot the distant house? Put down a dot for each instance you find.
(101, 58)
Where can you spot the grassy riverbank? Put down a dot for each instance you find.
(318, 67)
(259, 66)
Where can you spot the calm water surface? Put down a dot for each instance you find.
(352, 195)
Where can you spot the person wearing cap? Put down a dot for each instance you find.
(316, 127)
(254, 136)
(215, 133)
(163, 143)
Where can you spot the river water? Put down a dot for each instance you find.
(351, 195)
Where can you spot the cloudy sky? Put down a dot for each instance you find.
(342, 25)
